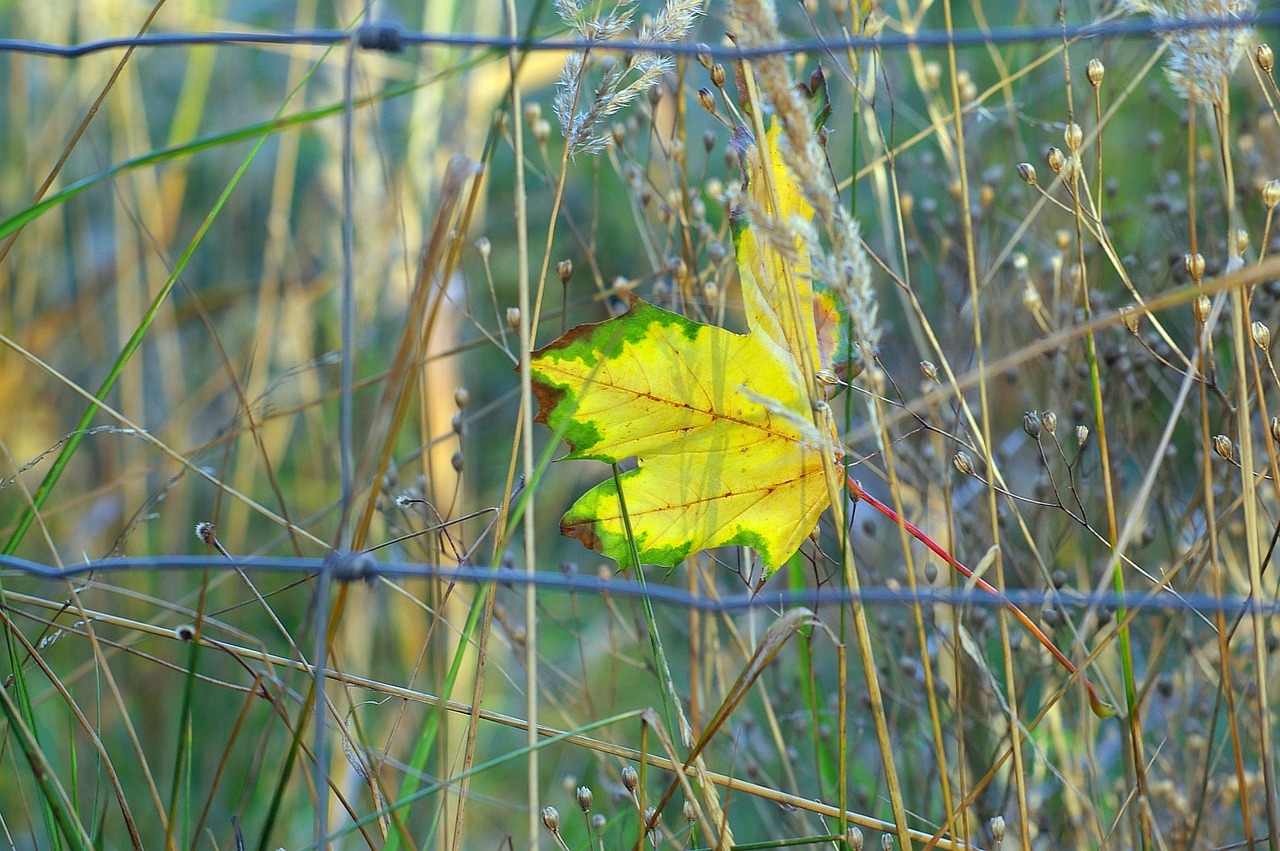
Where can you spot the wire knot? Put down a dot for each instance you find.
(384, 36)
(350, 567)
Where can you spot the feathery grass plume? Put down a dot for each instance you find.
(582, 113)
(845, 267)
(1201, 60)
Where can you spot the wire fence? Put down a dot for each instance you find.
(340, 566)
(364, 568)
(391, 37)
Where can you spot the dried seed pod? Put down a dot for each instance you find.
(458, 460)
(1031, 424)
(1241, 242)
(1082, 436)
(1073, 136)
(1265, 58)
(483, 246)
(532, 112)
(541, 131)
(963, 463)
(1222, 447)
(630, 778)
(1271, 193)
(1275, 429)
(704, 55)
(565, 270)
(932, 74)
(689, 812)
(886, 842)
(551, 819)
(585, 798)
(854, 839)
(462, 398)
(996, 825)
(1095, 71)
(1027, 172)
(1261, 335)
(1056, 159)
(717, 75)
(513, 318)
(1194, 264)
(1201, 307)
(1049, 421)
(928, 370)
(1031, 297)
(1131, 318)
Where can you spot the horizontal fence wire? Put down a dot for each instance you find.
(363, 567)
(391, 37)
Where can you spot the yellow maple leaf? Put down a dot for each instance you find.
(721, 424)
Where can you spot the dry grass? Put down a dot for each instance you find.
(1059, 267)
